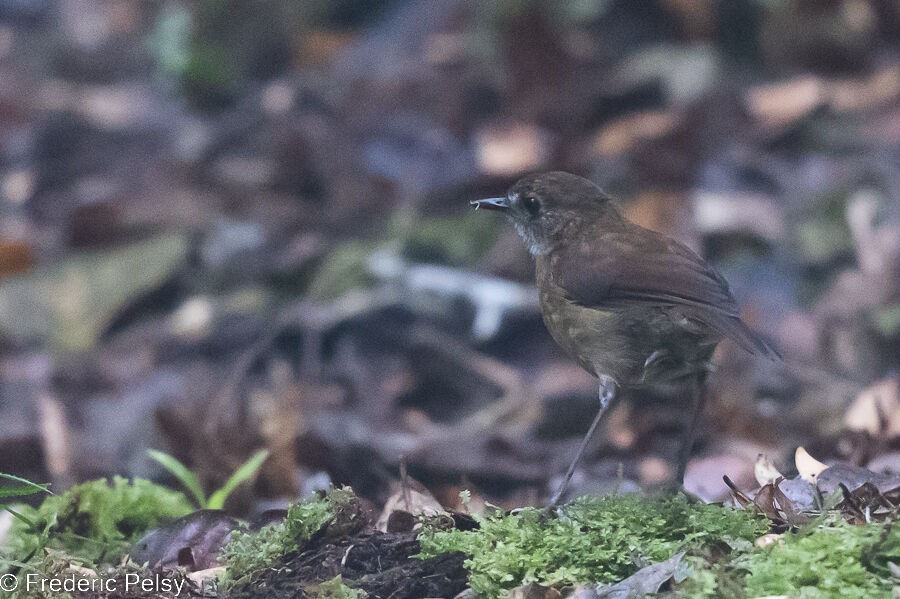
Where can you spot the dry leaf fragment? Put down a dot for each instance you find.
(765, 471)
(194, 541)
(200, 575)
(793, 516)
(82, 571)
(808, 466)
(801, 493)
(623, 134)
(55, 436)
(646, 581)
(769, 539)
(876, 408)
(534, 591)
(778, 105)
(865, 504)
(854, 477)
(511, 148)
(765, 503)
(738, 495)
(414, 502)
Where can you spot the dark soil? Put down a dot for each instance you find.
(378, 563)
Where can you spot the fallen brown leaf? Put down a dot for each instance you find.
(808, 467)
(876, 409)
(415, 503)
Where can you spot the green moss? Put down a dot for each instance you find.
(333, 589)
(249, 556)
(825, 561)
(94, 522)
(708, 571)
(607, 539)
(595, 540)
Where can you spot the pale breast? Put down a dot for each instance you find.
(586, 334)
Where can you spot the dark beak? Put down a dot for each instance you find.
(491, 204)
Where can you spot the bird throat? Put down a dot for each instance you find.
(536, 246)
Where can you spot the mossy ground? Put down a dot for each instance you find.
(608, 539)
(327, 547)
(828, 558)
(95, 521)
(250, 556)
(91, 525)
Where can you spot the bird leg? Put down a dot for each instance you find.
(698, 400)
(607, 398)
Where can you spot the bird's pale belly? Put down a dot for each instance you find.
(590, 336)
(634, 347)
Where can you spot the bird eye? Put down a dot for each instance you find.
(532, 205)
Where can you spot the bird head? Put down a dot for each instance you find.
(547, 207)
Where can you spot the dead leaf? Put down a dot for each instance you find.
(192, 541)
(716, 213)
(200, 575)
(769, 539)
(876, 409)
(853, 477)
(55, 435)
(623, 134)
(780, 104)
(415, 502)
(738, 495)
(791, 514)
(880, 89)
(808, 467)
(867, 503)
(801, 493)
(765, 471)
(765, 502)
(534, 591)
(645, 581)
(508, 149)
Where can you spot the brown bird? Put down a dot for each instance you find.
(633, 307)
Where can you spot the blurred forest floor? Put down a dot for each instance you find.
(227, 225)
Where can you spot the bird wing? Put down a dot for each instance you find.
(617, 269)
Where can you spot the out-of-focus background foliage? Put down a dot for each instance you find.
(227, 225)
